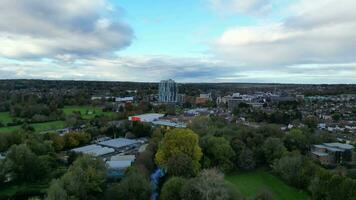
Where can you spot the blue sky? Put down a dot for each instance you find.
(177, 28)
(275, 41)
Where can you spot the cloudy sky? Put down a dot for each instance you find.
(276, 41)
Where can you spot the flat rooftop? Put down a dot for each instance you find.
(339, 145)
(95, 150)
(118, 143)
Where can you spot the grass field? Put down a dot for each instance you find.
(5, 117)
(87, 112)
(39, 127)
(249, 183)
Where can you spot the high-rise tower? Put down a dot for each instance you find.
(168, 91)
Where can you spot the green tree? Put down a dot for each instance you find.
(273, 149)
(311, 121)
(22, 163)
(336, 116)
(201, 125)
(140, 129)
(180, 165)
(290, 168)
(2, 171)
(9, 139)
(134, 185)
(85, 179)
(218, 151)
(56, 191)
(296, 140)
(171, 189)
(179, 142)
(246, 159)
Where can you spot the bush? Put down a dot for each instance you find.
(172, 188)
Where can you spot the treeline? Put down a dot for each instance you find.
(228, 148)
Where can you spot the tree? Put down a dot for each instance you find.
(290, 168)
(218, 151)
(22, 163)
(209, 185)
(84, 179)
(9, 139)
(27, 128)
(140, 129)
(296, 140)
(134, 185)
(58, 143)
(74, 119)
(56, 191)
(311, 121)
(74, 139)
(180, 165)
(200, 125)
(172, 188)
(246, 159)
(179, 142)
(336, 116)
(145, 161)
(273, 149)
(2, 171)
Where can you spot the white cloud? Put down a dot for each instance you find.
(36, 28)
(241, 6)
(75, 39)
(138, 68)
(317, 32)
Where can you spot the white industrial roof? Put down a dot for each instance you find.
(123, 157)
(339, 145)
(94, 149)
(149, 117)
(118, 143)
(169, 123)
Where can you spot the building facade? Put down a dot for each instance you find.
(168, 91)
(332, 153)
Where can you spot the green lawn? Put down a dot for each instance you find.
(39, 127)
(5, 117)
(249, 183)
(87, 112)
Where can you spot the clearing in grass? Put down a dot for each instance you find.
(250, 183)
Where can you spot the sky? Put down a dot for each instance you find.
(249, 41)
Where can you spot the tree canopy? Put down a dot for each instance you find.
(179, 142)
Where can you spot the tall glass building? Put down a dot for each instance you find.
(168, 91)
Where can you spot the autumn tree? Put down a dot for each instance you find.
(179, 142)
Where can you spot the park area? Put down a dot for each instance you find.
(250, 183)
(87, 113)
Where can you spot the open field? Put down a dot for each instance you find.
(5, 117)
(87, 112)
(249, 183)
(39, 127)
